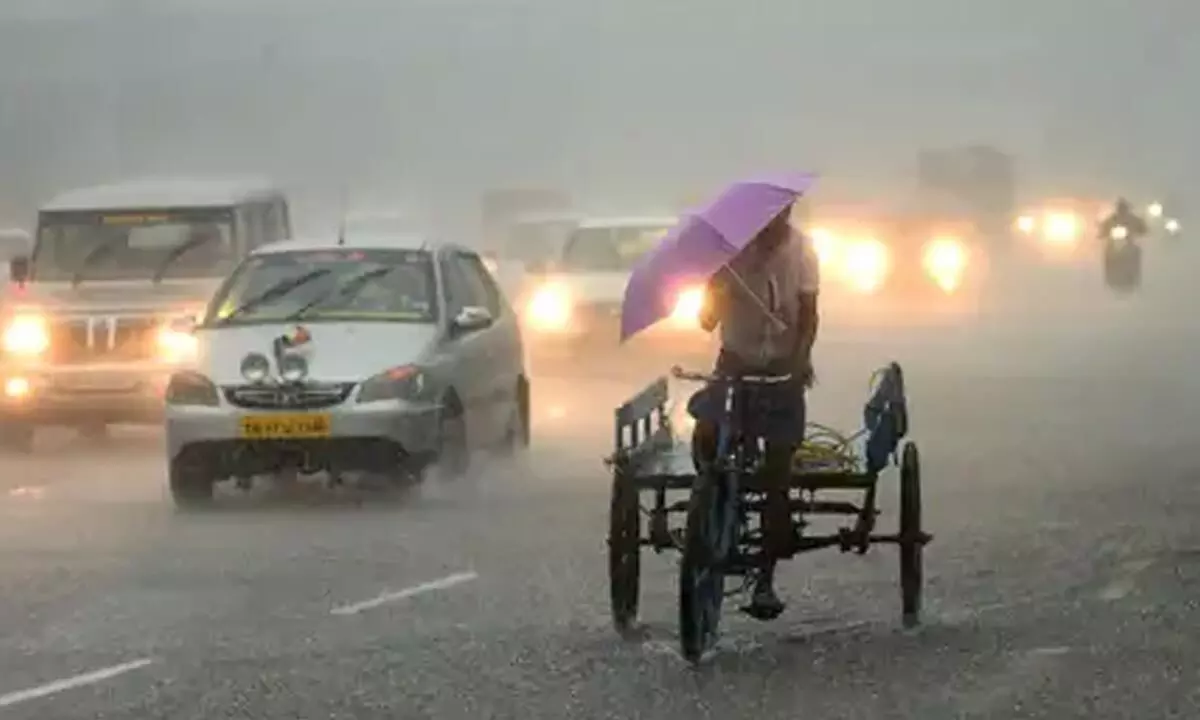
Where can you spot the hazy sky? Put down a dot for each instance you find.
(618, 99)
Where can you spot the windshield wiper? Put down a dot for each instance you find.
(346, 291)
(275, 292)
(179, 251)
(97, 253)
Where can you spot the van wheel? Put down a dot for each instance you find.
(191, 485)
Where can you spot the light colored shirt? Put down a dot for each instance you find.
(777, 281)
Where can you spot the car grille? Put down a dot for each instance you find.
(303, 397)
(108, 340)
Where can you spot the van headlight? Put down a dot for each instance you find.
(549, 308)
(688, 305)
(175, 345)
(26, 336)
(945, 259)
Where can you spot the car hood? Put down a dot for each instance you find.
(336, 352)
(114, 297)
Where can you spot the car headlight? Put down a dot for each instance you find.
(865, 264)
(945, 259)
(191, 388)
(1026, 224)
(1154, 210)
(1119, 232)
(549, 308)
(406, 382)
(1061, 227)
(1171, 225)
(175, 345)
(688, 306)
(26, 335)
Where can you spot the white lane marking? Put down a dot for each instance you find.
(72, 682)
(390, 597)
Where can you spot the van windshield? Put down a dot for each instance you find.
(133, 245)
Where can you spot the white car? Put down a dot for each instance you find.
(385, 355)
(574, 297)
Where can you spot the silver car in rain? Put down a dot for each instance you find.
(384, 355)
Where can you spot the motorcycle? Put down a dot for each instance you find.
(1122, 261)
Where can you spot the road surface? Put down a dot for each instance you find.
(1060, 484)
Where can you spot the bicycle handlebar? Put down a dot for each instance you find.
(681, 374)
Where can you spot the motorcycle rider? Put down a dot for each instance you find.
(1123, 216)
(772, 334)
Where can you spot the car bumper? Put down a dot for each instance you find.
(84, 394)
(367, 436)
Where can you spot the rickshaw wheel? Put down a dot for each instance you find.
(624, 553)
(912, 541)
(701, 575)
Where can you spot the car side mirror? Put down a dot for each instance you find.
(472, 318)
(18, 269)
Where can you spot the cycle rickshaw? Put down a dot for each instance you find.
(720, 535)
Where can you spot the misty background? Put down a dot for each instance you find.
(632, 105)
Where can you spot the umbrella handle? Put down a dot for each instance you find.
(779, 324)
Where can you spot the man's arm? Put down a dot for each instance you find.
(808, 317)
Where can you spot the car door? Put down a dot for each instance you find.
(469, 371)
(501, 342)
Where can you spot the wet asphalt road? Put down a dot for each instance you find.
(1062, 583)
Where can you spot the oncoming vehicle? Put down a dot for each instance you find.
(382, 355)
(921, 267)
(572, 300)
(87, 336)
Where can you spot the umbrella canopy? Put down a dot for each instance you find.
(704, 241)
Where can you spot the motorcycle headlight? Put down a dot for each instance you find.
(26, 335)
(1120, 232)
(406, 382)
(191, 388)
(687, 308)
(549, 308)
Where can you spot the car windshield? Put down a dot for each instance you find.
(610, 249)
(133, 245)
(535, 241)
(338, 284)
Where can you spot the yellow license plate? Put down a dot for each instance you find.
(285, 427)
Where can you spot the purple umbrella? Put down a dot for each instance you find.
(703, 242)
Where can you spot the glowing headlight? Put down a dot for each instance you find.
(1026, 224)
(1171, 225)
(825, 243)
(866, 264)
(26, 335)
(1120, 232)
(549, 309)
(945, 259)
(1154, 210)
(1062, 227)
(176, 345)
(688, 306)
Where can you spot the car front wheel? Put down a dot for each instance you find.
(191, 485)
